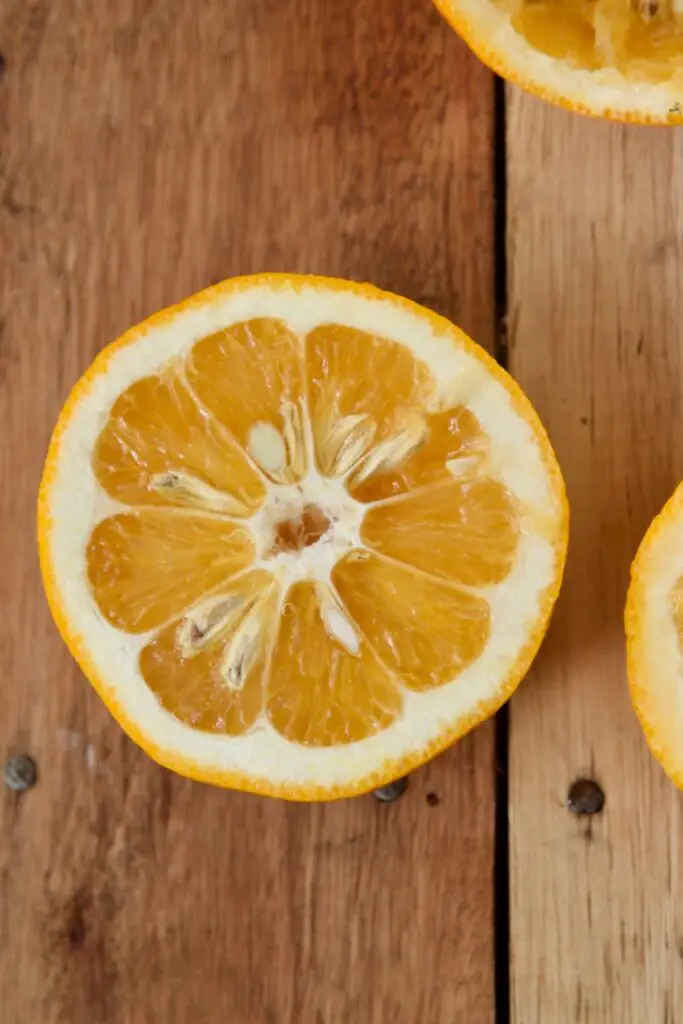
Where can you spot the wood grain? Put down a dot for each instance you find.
(596, 308)
(147, 150)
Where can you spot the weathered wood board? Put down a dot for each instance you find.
(595, 259)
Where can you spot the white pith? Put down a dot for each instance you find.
(490, 32)
(76, 502)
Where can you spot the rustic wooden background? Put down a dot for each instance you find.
(148, 149)
(595, 259)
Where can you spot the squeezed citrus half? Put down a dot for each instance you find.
(300, 534)
(620, 59)
(654, 636)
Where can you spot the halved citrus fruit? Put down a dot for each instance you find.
(300, 534)
(620, 59)
(654, 636)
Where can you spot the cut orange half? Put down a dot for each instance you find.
(654, 636)
(300, 535)
(620, 59)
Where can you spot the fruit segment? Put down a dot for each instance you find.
(462, 531)
(453, 444)
(362, 390)
(564, 31)
(250, 377)
(326, 687)
(158, 447)
(188, 663)
(147, 567)
(422, 629)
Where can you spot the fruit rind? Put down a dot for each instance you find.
(655, 669)
(385, 770)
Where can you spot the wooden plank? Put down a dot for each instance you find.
(147, 150)
(596, 307)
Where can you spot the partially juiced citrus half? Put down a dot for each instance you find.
(620, 59)
(300, 534)
(654, 631)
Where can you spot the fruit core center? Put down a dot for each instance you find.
(304, 529)
(299, 529)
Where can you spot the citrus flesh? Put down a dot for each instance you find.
(654, 636)
(609, 58)
(300, 534)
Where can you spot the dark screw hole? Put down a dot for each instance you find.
(585, 796)
(386, 794)
(20, 773)
(433, 799)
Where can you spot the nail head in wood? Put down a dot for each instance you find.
(387, 794)
(20, 773)
(585, 796)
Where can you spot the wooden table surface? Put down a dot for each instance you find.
(149, 149)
